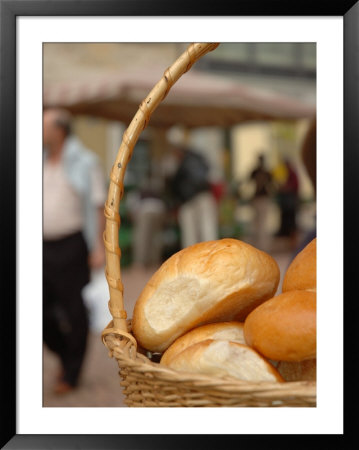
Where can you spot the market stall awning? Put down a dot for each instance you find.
(197, 99)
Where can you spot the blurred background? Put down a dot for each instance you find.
(226, 154)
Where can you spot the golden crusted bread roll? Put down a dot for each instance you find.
(231, 331)
(222, 358)
(213, 281)
(302, 271)
(298, 371)
(284, 327)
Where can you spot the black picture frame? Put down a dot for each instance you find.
(9, 11)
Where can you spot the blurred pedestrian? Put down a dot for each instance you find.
(73, 223)
(309, 158)
(197, 206)
(261, 200)
(309, 152)
(288, 202)
(148, 212)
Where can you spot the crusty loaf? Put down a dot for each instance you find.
(302, 271)
(231, 331)
(298, 371)
(213, 281)
(223, 358)
(284, 327)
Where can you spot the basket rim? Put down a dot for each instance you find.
(143, 364)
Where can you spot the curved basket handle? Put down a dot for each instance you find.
(116, 189)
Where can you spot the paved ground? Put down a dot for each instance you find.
(99, 385)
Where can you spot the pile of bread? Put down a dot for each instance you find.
(213, 308)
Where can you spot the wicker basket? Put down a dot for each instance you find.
(145, 382)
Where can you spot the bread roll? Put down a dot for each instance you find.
(231, 331)
(225, 358)
(302, 272)
(298, 371)
(213, 281)
(284, 327)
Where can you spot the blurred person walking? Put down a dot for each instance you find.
(288, 202)
(261, 200)
(197, 206)
(73, 224)
(148, 211)
(309, 159)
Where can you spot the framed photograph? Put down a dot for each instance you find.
(25, 28)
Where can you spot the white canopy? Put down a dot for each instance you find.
(197, 99)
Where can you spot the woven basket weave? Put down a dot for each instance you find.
(144, 382)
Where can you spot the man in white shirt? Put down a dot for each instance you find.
(73, 222)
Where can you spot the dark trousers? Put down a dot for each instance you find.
(65, 317)
(288, 204)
